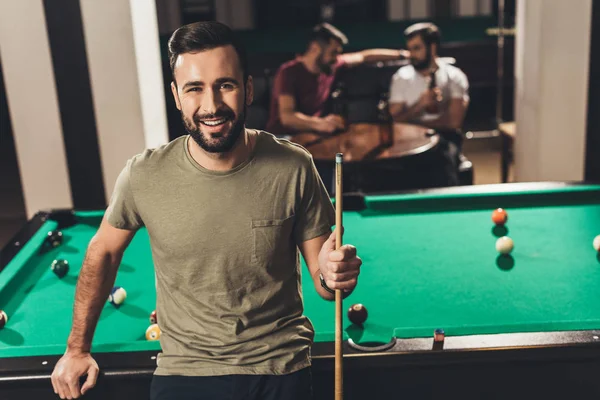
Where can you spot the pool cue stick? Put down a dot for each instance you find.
(339, 371)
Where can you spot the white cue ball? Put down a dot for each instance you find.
(596, 243)
(117, 296)
(504, 245)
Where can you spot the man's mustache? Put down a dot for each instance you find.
(226, 114)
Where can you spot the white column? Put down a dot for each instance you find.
(149, 71)
(33, 105)
(551, 88)
(126, 79)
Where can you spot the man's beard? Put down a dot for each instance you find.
(226, 141)
(323, 66)
(422, 65)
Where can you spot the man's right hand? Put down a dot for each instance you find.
(72, 366)
(428, 98)
(329, 124)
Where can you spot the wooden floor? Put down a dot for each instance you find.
(483, 153)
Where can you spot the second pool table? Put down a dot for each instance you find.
(525, 325)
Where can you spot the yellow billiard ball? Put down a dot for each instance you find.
(153, 332)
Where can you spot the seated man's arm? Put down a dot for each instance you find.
(373, 55)
(400, 111)
(453, 117)
(297, 121)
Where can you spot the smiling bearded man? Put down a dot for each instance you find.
(226, 209)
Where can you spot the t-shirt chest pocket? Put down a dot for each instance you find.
(272, 241)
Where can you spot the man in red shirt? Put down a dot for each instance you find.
(303, 85)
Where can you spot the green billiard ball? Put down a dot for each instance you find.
(60, 267)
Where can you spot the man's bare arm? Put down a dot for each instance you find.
(452, 119)
(373, 55)
(299, 122)
(401, 113)
(95, 281)
(290, 118)
(310, 250)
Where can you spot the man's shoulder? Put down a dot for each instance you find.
(156, 157)
(454, 73)
(292, 66)
(406, 73)
(285, 148)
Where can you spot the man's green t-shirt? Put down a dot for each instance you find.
(224, 246)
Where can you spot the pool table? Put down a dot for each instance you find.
(524, 325)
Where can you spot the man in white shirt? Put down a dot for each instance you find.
(428, 92)
(431, 93)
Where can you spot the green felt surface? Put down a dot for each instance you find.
(39, 304)
(429, 261)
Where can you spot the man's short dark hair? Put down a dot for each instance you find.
(201, 36)
(324, 32)
(428, 32)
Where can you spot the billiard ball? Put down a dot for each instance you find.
(504, 245)
(499, 216)
(596, 243)
(3, 319)
(117, 296)
(54, 238)
(357, 314)
(153, 332)
(153, 319)
(60, 267)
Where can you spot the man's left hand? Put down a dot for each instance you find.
(341, 267)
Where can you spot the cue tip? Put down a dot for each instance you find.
(338, 158)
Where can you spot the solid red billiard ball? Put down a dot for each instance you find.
(153, 319)
(357, 314)
(499, 216)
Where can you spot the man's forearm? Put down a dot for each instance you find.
(376, 55)
(442, 122)
(95, 281)
(299, 122)
(409, 114)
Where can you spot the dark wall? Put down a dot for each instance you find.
(592, 159)
(12, 204)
